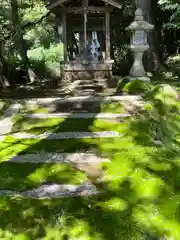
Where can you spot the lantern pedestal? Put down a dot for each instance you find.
(137, 70)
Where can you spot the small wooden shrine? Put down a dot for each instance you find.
(84, 28)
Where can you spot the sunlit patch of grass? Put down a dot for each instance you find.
(25, 176)
(139, 197)
(73, 218)
(34, 109)
(153, 218)
(113, 107)
(11, 147)
(67, 125)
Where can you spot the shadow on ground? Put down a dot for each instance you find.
(139, 197)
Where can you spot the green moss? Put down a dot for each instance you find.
(21, 177)
(112, 107)
(139, 198)
(133, 87)
(30, 109)
(65, 125)
(136, 87)
(73, 218)
(121, 84)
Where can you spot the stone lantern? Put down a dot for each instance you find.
(139, 45)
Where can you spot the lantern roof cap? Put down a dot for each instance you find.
(139, 22)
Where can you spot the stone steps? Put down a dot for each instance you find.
(93, 81)
(89, 86)
(80, 91)
(82, 87)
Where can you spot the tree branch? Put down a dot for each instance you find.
(27, 25)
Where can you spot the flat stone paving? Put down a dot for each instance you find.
(52, 191)
(12, 109)
(47, 157)
(78, 99)
(55, 190)
(66, 135)
(77, 115)
(6, 123)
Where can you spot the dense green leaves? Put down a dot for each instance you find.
(174, 7)
(44, 49)
(38, 29)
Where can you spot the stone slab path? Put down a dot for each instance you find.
(66, 135)
(6, 123)
(77, 115)
(57, 190)
(79, 99)
(47, 157)
(52, 191)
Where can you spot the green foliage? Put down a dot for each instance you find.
(41, 38)
(13, 176)
(39, 32)
(139, 198)
(51, 56)
(174, 7)
(132, 87)
(174, 61)
(136, 87)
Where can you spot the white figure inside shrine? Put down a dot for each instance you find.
(95, 47)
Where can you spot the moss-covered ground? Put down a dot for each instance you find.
(139, 199)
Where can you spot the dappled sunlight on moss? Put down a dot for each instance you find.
(156, 222)
(71, 125)
(139, 192)
(11, 147)
(25, 176)
(113, 107)
(146, 185)
(73, 218)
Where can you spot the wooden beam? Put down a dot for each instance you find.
(91, 29)
(64, 22)
(89, 9)
(108, 41)
(114, 3)
(56, 3)
(85, 6)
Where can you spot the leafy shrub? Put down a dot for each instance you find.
(174, 7)
(132, 87)
(51, 57)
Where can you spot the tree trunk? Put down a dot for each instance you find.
(151, 58)
(20, 40)
(4, 81)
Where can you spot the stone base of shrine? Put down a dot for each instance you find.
(143, 79)
(73, 71)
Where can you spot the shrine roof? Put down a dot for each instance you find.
(55, 3)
